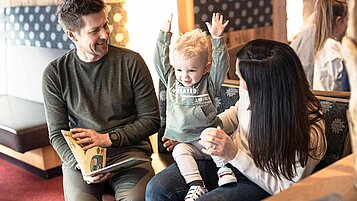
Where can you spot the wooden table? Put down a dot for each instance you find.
(335, 179)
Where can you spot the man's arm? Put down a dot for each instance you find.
(56, 115)
(147, 120)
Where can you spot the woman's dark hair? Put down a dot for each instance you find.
(70, 12)
(282, 106)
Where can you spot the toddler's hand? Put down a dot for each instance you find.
(217, 27)
(169, 144)
(166, 27)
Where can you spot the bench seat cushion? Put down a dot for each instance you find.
(22, 124)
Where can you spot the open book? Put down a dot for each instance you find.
(93, 161)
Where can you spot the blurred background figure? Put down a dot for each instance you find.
(331, 24)
(303, 44)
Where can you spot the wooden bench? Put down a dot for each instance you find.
(334, 105)
(24, 137)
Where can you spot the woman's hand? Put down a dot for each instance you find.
(218, 143)
(169, 144)
(88, 138)
(217, 27)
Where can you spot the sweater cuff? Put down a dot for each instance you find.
(215, 37)
(218, 42)
(240, 161)
(165, 37)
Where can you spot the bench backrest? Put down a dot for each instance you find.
(337, 133)
(334, 105)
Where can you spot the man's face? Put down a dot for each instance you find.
(92, 39)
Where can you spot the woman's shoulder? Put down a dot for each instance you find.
(332, 49)
(332, 44)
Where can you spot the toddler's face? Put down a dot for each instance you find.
(190, 71)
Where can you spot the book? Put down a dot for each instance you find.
(93, 160)
(120, 166)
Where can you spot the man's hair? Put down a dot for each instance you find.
(191, 44)
(70, 12)
(282, 107)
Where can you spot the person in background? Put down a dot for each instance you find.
(303, 44)
(331, 24)
(192, 86)
(278, 131)
(105, 96)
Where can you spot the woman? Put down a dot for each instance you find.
(278, 131)
(331, 24)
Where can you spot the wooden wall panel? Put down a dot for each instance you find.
(13, 3)
(277, 31)
(235, 38)
(186, 15)
(279, 21)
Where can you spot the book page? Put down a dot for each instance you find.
(120, 166)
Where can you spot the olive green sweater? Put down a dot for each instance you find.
(113, 93)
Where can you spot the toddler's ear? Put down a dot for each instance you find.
(208, 67)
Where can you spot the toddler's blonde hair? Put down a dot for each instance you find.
(191, 44)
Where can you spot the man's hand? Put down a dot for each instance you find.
(99, 178)
(169, 144)
(88, 138)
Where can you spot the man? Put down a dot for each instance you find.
(105, 96)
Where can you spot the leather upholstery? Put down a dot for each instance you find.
(22, 124)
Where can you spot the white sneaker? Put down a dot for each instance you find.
(195, 192)
(226, 176)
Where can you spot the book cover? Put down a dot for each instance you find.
(93, 161)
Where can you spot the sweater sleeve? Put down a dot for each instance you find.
(161, 56)
(328, 67)
(220, 63)
(147, 120)
(334, 72)
(229, 119)
(56, 115)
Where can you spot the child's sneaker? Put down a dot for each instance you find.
(226, 176)
(195, 192)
